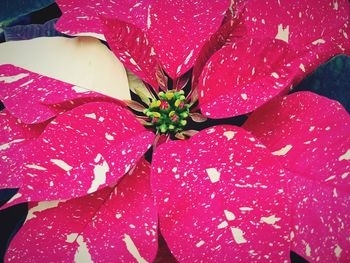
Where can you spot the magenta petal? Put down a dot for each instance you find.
(321, 221)
(30, 96)
(130, 44)
(229, 28)
(107, 226)
(244, 75)
(310, 134)
(298, 23)
(14, 135)
(178, 30)
(79, 17)
(221, 197)
(81, 151)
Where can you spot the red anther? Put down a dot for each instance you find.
(164, 105)
(174, 118)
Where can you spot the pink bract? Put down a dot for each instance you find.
(113, 224)
(221, 196)
(310, 135)
(249, 69)
(34, 98)
(15, 135)
(87, 148)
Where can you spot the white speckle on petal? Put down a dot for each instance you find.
(283, 33)
(344, 175)
(109, 136)
(229, 134)
(62, 164)
(130, 246)
(10, 79)
(307, 250)
(302, 67)
(42, 206)
(71, 237)
(244, 96)
(275, 75)
(270, 220)
(100, 171)
(200, 243)
(337, 251)
(149, 17)
(245, 208)
(132, 61)
(82, 254)
(8, 145)
(223, 224)
(329, 178)
(229, 215)
(238, 235)
(213, 174)
(27, 83)
(345, 156)
(118, 215)
(91, 116)
(335, 5)
(318, 41)
(37, 167)
(188, 57)
(283, 151)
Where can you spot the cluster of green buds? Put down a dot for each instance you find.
(168, 113)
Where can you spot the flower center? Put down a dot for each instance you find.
(168, 113)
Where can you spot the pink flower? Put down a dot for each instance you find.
(228, 193)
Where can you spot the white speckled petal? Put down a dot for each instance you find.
(178, 30)
(14, 135)
(34, 98)
(118, 225)
(81, 151)
(221, 198)
(253, 67)
(131, 45)
(244, 75)
(310, 134)
(83, 18)
(297, 23)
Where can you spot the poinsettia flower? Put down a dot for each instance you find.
(77, 143)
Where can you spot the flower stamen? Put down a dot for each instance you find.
(168, 113)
